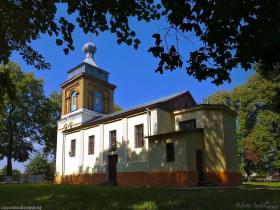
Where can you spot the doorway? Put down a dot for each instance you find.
(199, 164)
(112, 168)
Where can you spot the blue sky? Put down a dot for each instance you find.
(131, 70)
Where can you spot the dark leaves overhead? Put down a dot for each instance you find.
(168, 60)
(232, 33)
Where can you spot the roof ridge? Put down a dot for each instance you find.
(149, 103)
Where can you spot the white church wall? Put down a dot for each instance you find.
(154, 122)
(164, 121)
(130, 158)
(70, 120)
(135, 158)
(117, 125)
(124, 144)
(72, 164)
(91, 161)
(132, 122)
(59, 153)
(76, 118)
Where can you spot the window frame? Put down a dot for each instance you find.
(170, 155)
(97, 97)
(91, 145)
(73, 101)
(190, 122)
(113, 136)
(137, 135)
(72, 152)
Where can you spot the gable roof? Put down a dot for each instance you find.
(145, 105)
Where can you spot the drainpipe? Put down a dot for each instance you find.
(148, 121)
(149, 131)
(82, 153)
(63, 149)
(63, 153)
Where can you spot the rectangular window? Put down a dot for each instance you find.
(113, 140)
(188, 124)
(73, 148)
(170, 155)
(91, 145)
(74, 98)
(139, 136)
(97, 100)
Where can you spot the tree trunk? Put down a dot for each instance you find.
(9, 166)
(248, 176)
(10, 145)
(9, 155)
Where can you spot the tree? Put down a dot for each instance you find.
(265, 138)
(117, 108)
(3, 171)
(21, 117)
(257, 104)
(249, 159)
(231, 33)
(221, 97)
(52, 112)
(39, 165)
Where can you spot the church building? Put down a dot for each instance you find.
(168, 142)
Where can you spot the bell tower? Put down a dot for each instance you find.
(87, 94)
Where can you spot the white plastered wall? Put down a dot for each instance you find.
(59, 153)
(73, 164)
(91, 162)
(130, 158)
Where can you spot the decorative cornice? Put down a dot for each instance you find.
(206, 107)
(87, 76)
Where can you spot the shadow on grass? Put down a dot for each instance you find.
(103, 198)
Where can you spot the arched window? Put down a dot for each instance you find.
(73, 101)
(97, 102)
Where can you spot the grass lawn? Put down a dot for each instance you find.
(49, 196)
(267, 184)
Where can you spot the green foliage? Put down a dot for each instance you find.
(23, 115)
(3, 171)
(221, 97)
(117, 108)
(265, 141)
(257, 104)
(39, 165)
(49, 129)
(232, 33)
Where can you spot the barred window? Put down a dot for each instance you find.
(72, 148)
(113, 140)
(91, 145)
(170, 154)
(139, 136)
(188, 124)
